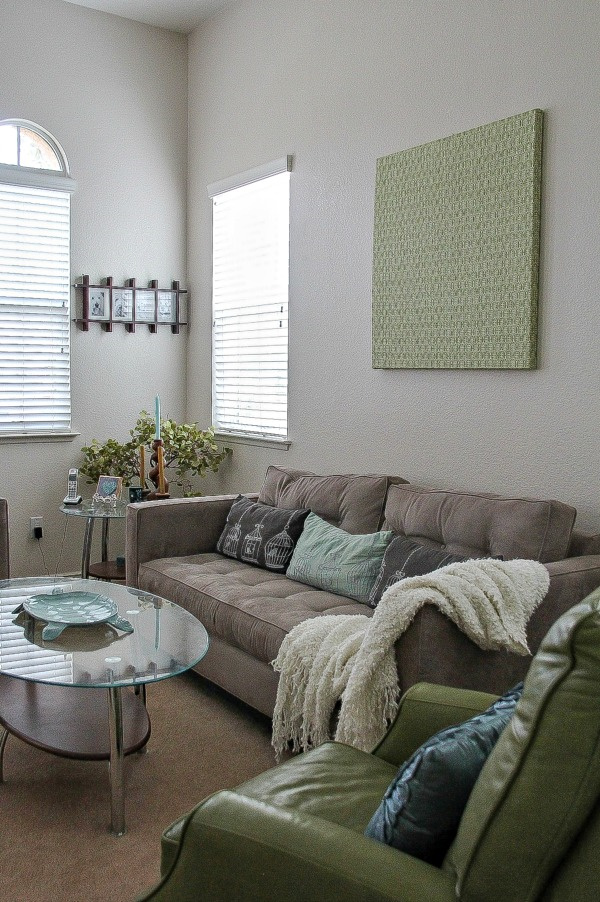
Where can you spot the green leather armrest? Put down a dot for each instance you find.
(425, 709)
(234, 847)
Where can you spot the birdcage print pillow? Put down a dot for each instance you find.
(260, 534)
(403, 558)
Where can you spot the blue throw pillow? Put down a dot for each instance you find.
(421, 809)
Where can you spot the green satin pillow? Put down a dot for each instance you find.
(330, 558)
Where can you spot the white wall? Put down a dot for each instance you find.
(338, 85)
(114, 93)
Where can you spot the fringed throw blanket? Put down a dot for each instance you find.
(351, 657)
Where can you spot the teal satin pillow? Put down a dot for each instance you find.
(330, 558)
(422, 807)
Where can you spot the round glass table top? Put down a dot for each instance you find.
(89, 508)
(129, 637)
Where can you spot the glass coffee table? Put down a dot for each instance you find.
(75, 658)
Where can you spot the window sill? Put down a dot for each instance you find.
(25, 438)
(235, 438)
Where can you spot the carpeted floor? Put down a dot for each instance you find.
(55, 842)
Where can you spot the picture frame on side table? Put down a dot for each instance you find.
(109, 486)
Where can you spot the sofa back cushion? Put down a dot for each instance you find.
(481, 525)
(541, 783)
(353, 503)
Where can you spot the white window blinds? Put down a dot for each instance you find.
(18, 656)
(250, 282)
(34, 310)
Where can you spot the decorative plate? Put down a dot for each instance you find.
(63, 609)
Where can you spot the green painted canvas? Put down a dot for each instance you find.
(456, 250)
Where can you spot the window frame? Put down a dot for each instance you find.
(19, 176)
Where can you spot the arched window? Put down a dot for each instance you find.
(35, 201)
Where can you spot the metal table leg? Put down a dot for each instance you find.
(105, 522)
(117, 789)
(3, 738)
(87, 548)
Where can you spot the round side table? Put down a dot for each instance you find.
(104, 569)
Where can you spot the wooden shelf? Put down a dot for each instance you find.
(130, 306)
(108, 570)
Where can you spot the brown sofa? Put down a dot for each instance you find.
(170, 548)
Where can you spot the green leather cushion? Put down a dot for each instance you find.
(330, 558)
(542, 779)
(422, 807)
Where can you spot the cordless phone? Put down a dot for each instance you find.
(72, 497)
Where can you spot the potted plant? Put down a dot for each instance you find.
(188, 452)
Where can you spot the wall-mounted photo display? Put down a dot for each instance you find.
(122, 304)
(109, 304)
(145, 306)
(167, 309)
(99, 304)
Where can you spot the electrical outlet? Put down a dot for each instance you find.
(35, 523)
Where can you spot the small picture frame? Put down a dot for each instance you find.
(144, 306)
(99, 304)
(109, 486)
(122, 305)
(166, 309)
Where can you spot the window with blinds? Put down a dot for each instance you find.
(18, 656)
(35, 190)
(250, 288)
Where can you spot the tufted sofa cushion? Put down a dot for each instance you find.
(245, 606)
(353, 503)
(479, 525)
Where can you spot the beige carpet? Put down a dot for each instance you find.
(55, 844)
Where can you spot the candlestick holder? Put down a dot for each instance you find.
(157, 472)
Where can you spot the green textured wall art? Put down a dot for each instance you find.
(456, 250)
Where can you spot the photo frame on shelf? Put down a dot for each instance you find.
(166, 307)
(108, 486)
(145, 300)
(122, 305)
(99, 304)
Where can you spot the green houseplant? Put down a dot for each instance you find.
(188, 452)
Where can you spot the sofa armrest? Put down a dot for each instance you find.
(173, 528)
(571, 580)
(235, 847)
(425, 709)
(434, 650)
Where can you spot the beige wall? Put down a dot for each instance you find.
(338, 85)
(114, 93)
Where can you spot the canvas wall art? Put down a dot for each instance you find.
(456, 250)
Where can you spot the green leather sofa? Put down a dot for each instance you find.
(530, 831)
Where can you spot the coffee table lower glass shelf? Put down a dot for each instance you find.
(83, 694)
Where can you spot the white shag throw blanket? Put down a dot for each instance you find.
(352, 658)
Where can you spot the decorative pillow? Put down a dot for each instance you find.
(421, 809)
(403, 558)
(330, 558)
(260, 534)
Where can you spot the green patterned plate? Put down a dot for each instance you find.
(63, 609)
